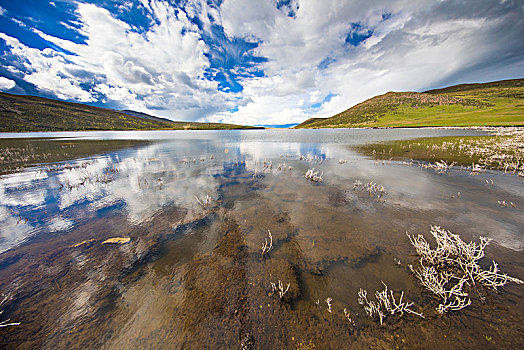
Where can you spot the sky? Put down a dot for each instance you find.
(252, 62)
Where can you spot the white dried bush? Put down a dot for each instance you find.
(313, 175)
(6, 323)
(445, 269)
(206, 202)
(372, 188)
(453, 298)
(279, 288)
(439, 167)
(267, 246)
(385, 304)
(328, 302)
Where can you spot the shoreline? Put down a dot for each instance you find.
(484, 127)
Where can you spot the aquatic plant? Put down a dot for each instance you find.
(372, 188)
(279, 288)
(205, 203)
(505, 204)
(439, 166)
(453, 298)
(88, 178)
(385, 304)
(284, 167)
(454, 260)
(6, 323)
(477, 169)
(311, 159)
(328, 302)
(348, 317)
(258, 174)
(266, 247)
(313, 175)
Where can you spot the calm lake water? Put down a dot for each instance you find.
(193, 278)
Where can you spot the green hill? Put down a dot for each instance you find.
(496, 104)
(20, 113)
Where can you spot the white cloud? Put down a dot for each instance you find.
(413, 46)
(6, 84)
(165, 65)
(48, 71)
(420, 45)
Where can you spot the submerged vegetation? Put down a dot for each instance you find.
(313, 175)
(267, 246)
(496, 103)
(373, 189)
(163, 246)
(446, 269)
(385, 304)
(6, 323)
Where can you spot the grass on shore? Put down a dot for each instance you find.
(16, 154)
(502, 151)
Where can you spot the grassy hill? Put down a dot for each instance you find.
(29, 113)
(144, 116)
(497, 103)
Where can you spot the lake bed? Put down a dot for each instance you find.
(187, 273)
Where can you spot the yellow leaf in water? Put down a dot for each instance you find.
(117, 240)
(82, 243)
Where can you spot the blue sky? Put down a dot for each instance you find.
(252, 62)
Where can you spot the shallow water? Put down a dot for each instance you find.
(193, 277)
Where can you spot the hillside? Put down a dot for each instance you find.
(144, 116)
(496, 103)
(20, 113)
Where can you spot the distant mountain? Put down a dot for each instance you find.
(145, 116)
(494, 103)
(279, 126)
(20, 113)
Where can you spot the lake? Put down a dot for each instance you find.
(122, 240)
